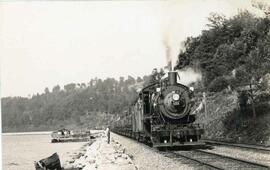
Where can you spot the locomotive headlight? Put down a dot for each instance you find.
(176, 96)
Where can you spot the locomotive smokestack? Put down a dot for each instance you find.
(172, 77)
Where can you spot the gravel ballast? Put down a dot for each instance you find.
(146, 158)
(244, 154)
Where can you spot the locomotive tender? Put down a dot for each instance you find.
(161, 115)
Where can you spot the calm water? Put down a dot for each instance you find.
(20, 151)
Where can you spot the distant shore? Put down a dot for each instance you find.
(37, 133)
(28, 133)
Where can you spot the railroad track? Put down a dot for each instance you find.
(217, 161)
(245, 146)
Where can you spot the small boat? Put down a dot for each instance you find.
(60, 135)
(50, 163)
(65, 135)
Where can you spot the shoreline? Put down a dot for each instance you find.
(27, 133)
(38, 133)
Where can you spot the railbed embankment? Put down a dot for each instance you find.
(101, 155)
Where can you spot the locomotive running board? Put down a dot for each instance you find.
(157, 145)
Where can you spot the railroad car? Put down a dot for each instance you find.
(161, 115)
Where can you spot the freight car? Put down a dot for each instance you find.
(161, 116)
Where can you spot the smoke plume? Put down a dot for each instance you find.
(168, 54)
(188, 76)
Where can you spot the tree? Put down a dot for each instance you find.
(56, 89)
(263, 7)
(130, 80)
(47, 91)
(239, 43)
(70, 87)
(216, 20)
(139, 79)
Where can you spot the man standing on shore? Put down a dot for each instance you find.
(107, 132)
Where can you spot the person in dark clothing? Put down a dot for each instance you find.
(242, 102)
(243, 99)
(154, 76)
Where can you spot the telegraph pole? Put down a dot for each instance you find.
(252, 98)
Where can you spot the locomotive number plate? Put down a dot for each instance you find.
(176, 103)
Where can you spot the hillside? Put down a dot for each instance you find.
(233, 56)
(223, 119)
(91, 105)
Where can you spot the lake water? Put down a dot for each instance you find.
(21, 150)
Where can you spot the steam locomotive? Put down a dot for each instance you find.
(161, 115)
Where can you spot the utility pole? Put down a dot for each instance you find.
(252, 98)
(204, 102)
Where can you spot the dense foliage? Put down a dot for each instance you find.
(232, 51)
(77, 105)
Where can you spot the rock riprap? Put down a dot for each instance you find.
(101, 155)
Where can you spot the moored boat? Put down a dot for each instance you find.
(65, 135)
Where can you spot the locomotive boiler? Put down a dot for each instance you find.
(161, 115)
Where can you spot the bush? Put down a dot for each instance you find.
(218, 84)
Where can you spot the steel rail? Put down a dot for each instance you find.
(246, 146)
(235, 159)
(221, 157)
(199, 161)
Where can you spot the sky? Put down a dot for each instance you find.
(46, 43)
